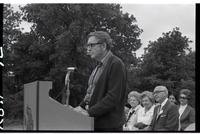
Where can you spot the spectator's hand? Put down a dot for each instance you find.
(146, 128)
(125, 128)
(140, 125)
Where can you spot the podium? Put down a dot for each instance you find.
(42, 112)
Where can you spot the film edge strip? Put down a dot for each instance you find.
(1, 66)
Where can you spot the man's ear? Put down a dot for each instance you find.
(104, 45)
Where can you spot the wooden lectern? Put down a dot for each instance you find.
(41, 112)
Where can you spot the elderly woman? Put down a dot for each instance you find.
(134, 101)
(145, 114)
(186, 112)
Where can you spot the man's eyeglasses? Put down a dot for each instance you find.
(92, 45)
(156, 92)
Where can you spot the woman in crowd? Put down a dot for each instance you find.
(134, 101)
(172, 98)
(186, 112)
(145, 114)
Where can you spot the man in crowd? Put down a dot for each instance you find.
(165, 117)
(106, 93)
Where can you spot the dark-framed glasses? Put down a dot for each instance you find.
(91, 45)
(156, 92)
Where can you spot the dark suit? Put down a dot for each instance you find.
(187, 117)
(108, 98)
(167, 120)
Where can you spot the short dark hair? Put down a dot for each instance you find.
(186, 92)
(103, 37)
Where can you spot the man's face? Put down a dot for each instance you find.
(94, 48)
(159, 94)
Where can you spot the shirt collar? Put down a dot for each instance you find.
(137, 107)
(164, 102)
(106, 57)
(181, 106)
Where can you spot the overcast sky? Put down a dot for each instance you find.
(155, 19)
(158, 18)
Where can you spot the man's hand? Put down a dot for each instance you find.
(81, 110)
(78, 109)
(85, 113)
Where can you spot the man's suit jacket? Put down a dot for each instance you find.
(167, 119)
(109, 96)
(187, 117)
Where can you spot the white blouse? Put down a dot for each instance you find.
(130, 123)
(145, 117)
(181, 110)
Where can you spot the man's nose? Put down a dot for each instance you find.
(88, 50)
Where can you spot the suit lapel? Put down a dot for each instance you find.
(163, 109)
(156, 113)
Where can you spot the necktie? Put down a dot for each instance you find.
(98, 66)
(158, 111)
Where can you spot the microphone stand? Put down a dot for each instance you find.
(67, 82)
(66, 92)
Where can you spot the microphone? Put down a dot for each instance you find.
(71, 69)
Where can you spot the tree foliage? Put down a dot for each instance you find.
(11, 32)
(57, 40)
(168, 61)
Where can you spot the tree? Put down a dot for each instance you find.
(58, 36)
(11, 32)
(166, 62)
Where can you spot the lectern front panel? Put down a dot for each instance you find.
(50, 114)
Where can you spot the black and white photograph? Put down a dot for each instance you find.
(98, 67)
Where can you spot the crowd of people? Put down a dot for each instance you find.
(159, 111)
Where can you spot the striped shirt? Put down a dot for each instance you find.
(94, 77)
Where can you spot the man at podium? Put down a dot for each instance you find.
(106, 93)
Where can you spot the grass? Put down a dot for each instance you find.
(13, 124)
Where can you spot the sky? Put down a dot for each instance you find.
(156, 19)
